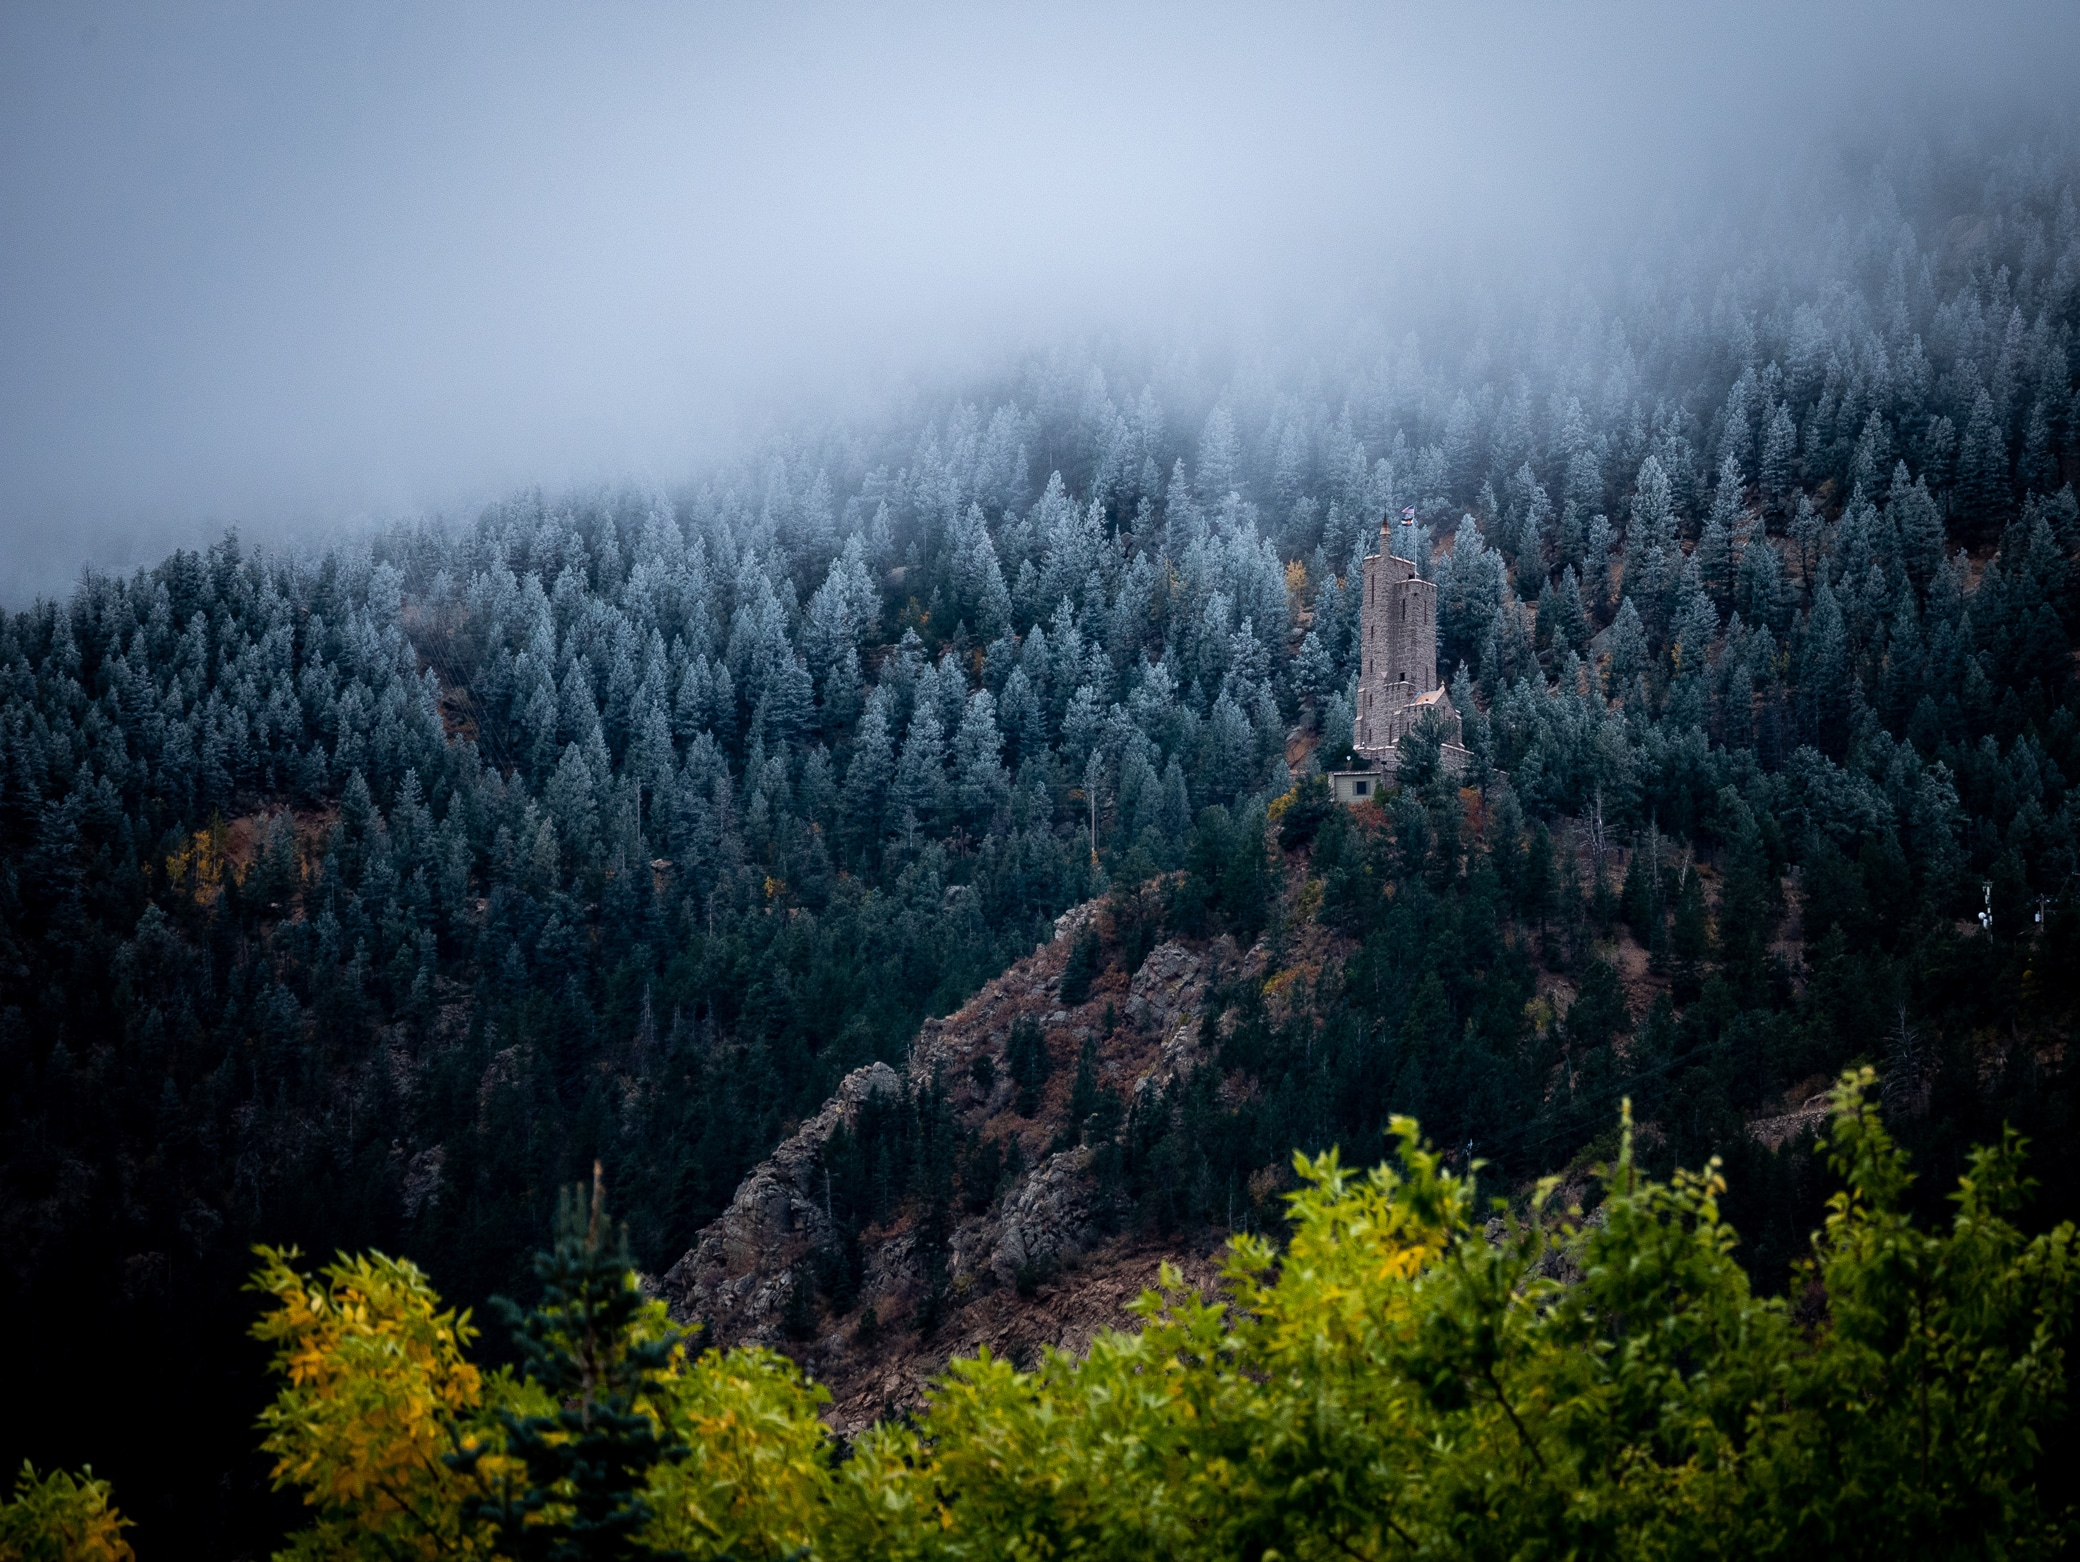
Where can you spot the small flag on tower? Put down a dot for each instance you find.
(1408, 516)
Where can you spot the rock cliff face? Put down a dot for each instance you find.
(739, 1275)
(1037, 1267)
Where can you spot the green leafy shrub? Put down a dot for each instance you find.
(1407, 1375)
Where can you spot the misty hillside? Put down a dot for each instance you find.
(361, 897)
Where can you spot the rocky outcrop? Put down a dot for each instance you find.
(1164, 997)
(738, 1273)
(1040, 1266)
(1782, 1127)
(1045, 1220)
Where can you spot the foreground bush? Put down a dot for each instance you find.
(1407, 1377)
(60, 1518)
(1400, 1382)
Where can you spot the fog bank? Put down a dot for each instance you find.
(291, 271)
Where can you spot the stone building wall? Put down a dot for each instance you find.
(1397, 665)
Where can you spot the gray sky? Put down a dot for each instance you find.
(294, 266)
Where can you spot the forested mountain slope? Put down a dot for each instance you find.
(360, 899)
(1121, 1097)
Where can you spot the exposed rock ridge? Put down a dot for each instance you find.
(1037, 1266)
(738, 1271)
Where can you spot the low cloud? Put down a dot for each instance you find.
(290, 268)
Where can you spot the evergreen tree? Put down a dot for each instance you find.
(873, 767)
(588, 1461)
(1983, 491)
(919, 790)
(1918, 526)
(1027, 1062)
(978, 749)
(1718, 548)
(1779, 462)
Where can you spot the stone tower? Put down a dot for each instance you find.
(1397, 673)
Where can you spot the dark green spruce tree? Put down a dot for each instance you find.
(589, 1459)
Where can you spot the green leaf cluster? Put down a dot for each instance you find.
(60, 1517)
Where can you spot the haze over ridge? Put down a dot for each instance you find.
(286, 271)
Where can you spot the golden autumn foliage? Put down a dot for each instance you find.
(1408, 1375)
(61, 1518)
(377, 1393)
(200, 863)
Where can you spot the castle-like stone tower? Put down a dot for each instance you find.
(1397, 673)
